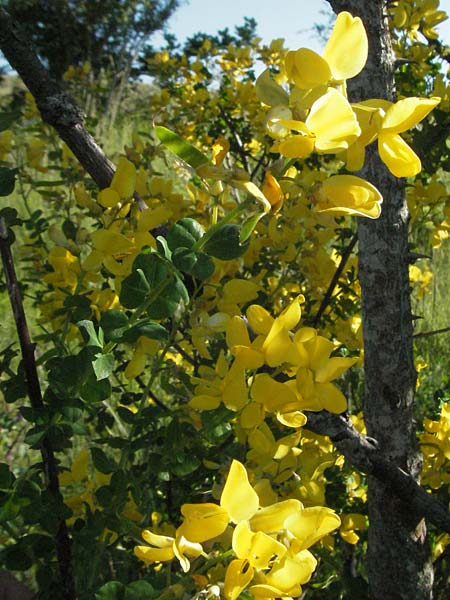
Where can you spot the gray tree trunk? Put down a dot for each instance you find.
(399, 564)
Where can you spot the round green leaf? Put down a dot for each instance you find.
(225, 243)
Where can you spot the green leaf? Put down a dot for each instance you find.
(80, 307)
(225, 243)
(94, 390)
(7, 180)
(268, 91)
(103, 366)
(102, 462)
(185, 465)
(90, 336)
(185, 233)
(204, 267)
(184, 259)
(184, 150)
(155, 275)
(17, 557)
(249, 226)
(10, 216)
(6, 477)
(7, 119)
(113, 590)
(114, 323)
(134, 289)
(163, 247)
(69, 373)
(148, 328)
(166, 304)
(139, 590)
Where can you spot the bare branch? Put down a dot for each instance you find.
(334, 281)
(428, 333)
(62, 540)
(363, 453)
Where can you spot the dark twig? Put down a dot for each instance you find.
(57, 108)
(428, 333)
(334, 281)
(237, 138)
(62, 540)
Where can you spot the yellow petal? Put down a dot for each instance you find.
(238, 498)
(291, 315)
(347, 48)
(330, 397)
(306, 68)
(234, 393)
(400, 159)
(124, 179)
(271, 518)
(277, 345)
(108, 197)
(348, 194)
(183, 548)
(262, 590)
(406, 113)
(237, 333)
(270, 393)
(319, 349)
(272, 191)
(311, 524)
(238, 576)
(292, 571)
(355, 156)
(252, 415)
(150, 555)
(202, 521)
(332, 368)
(259, 319)
(248, 358)
(159, 541)
(110, 242)
(333, 122)
(296, 146)
(258, 548)
(292, 419)
(205, 402)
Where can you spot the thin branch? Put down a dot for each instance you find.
(364, 453)
(57, 108)
(428, 333)
(237, 138)
(62, 540)
(334, 281)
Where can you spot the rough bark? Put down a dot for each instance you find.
(399, 563)
(56, 106)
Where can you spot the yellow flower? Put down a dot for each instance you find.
(122, 185)
(382, 119)
(351, 523)
(343, 58)
(163, 548)
(273, 192)
(348, 195)
(316, 370)
(330, 127)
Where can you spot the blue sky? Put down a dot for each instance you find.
(291, 19)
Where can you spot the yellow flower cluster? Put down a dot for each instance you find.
(315, 116)
(269, 544)
(435, 446)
